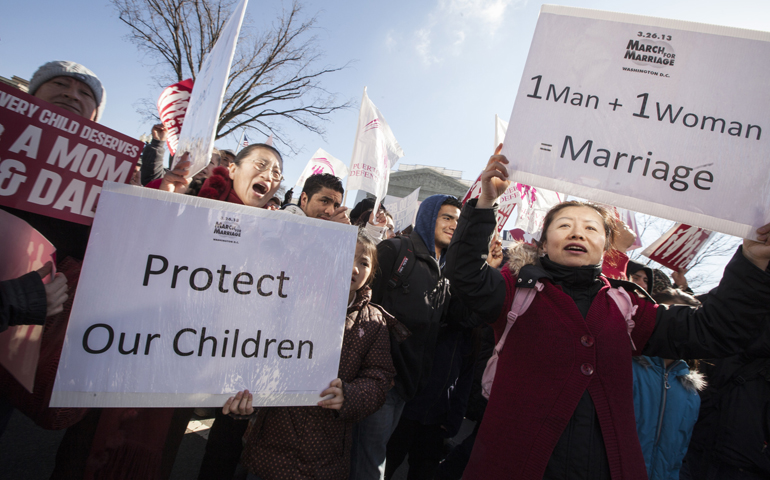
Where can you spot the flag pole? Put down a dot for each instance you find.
(240, 142)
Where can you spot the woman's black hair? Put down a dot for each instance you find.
(247, 151)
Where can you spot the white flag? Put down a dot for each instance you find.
(501, 126)
(200, 123)
(404, 210)
(321, 162)
(375, 152)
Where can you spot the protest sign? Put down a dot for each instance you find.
(22, 250)
(663, 117)
(202, 115)
(678, 247)
(53, 162)
(321, 162)
(404, 210)
(172, 107)
(517, 235)
(501, 126)
(201, 299)
(375, 152)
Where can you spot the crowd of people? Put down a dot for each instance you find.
(603, 367)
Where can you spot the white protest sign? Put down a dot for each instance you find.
(663, 117)
(375, 152)
(200, 121)
(183, 301)
(501, 126)
(321, 162)
(404, 210)
(678, 247)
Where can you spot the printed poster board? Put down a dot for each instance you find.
(657, 116)
(183, 301)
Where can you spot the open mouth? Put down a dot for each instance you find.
(259, 188)
(575, 248)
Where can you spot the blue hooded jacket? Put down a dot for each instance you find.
(420, 306)
(666, 404)
(425, 223)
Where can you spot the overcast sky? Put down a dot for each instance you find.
(438, 70)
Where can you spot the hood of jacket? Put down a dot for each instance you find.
(425, 224)
(693, 381)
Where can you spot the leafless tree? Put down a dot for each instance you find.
(704, 272)
(276, 74)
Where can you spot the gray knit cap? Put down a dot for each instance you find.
(77, 71)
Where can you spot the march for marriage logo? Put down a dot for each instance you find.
(650, 49)
(227, 228)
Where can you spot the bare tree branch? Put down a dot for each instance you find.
(275, 78)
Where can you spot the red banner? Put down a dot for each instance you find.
(678, 247)
(53, 162)
(172, 107)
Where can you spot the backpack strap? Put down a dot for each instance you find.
(403, 266)
(627, 308)
(522, 299)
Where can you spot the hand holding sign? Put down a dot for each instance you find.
(494, 179)
(758, 252)
(176, 180)
(335, 402)
(55, 291)
(340, 216)
(679, 278)
(239, 405)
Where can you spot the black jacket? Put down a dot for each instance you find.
(152, 161)
(22, 301)
(420, 310)
(734, 422)
(724, 326)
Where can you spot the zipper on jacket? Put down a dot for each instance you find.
(666, 386)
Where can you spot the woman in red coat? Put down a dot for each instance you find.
(562, 402)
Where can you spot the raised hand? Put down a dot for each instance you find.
(176, 180)
(494, 179)
(679, 278)
(340, 216)
(758, 252)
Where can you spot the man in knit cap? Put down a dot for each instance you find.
(71, 86)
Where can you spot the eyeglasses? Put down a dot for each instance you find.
(262, 165)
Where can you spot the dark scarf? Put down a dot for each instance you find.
(580, 283)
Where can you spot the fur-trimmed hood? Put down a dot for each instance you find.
(521, 254)
(693, 380)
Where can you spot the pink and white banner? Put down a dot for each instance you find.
(172, 107)
(375, 152)
(321, 162)
(679, 246)
(533, 204)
